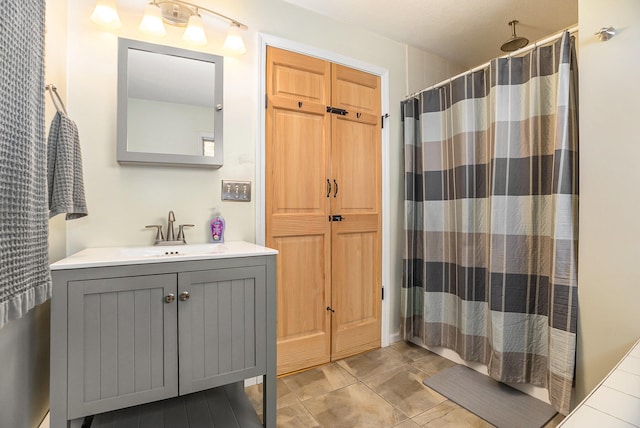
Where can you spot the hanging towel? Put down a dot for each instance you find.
(64, 167)
(25, 280)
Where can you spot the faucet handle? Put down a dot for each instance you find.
(159, 235)
(181, 232)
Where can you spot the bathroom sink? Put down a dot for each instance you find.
(173, 250)
(115, 256)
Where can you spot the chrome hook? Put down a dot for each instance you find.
(605, 33)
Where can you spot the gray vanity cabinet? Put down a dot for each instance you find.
(218, 339)
(123, 336)
(123, 343)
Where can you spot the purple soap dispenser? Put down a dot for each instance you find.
(217, 227)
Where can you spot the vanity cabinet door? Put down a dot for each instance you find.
(222, 326)
(122, 342)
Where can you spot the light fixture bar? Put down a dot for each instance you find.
(195, 6)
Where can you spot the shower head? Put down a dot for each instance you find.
(515, 42)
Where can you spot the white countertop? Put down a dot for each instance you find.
(118, 256)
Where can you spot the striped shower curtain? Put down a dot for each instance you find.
(491, 218)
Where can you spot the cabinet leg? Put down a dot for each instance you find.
(269, 395)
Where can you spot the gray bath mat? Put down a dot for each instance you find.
(495, 402)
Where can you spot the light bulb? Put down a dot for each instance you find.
(152, 21)
(234, 43)
(194, 32)
(106, 14)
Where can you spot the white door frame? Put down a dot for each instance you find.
(274, 41)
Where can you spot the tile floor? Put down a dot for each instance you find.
(381, 388)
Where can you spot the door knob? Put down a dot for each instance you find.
(169, 298)
(184, 296)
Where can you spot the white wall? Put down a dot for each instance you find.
(609, 262)
(425, 69)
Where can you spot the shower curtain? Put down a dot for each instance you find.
(491, 226)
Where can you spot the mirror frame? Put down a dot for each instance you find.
(123, 155)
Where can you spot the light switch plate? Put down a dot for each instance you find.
(239, 191)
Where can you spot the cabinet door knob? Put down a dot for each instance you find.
(184, 296)
(169, 298)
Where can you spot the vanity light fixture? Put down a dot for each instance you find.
(234, 43)
(152, 21)
(106, 14)
(173, 12)
(194, 33)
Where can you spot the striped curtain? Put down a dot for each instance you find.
(491, 218)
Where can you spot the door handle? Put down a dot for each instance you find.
(328, 188)
(184, 296)
(169, 298)
(336, 191)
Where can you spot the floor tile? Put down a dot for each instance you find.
(432, 363)
(407, 424)
(285, 397)
(402, 387)
(319, 380)
(381, 388)
(355, 406)
(296, 416)
(370, 363)
(409, 351)
(449, 414)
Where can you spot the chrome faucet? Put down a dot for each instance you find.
(171, 239)
(170, 231)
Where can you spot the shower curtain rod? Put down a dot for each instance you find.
(551, 38)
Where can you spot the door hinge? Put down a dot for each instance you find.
(266, 101)
(336, 110)
(382, 118)
(382, 293)
(336, 218)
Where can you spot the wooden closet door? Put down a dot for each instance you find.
(297, 206)
(356, 241)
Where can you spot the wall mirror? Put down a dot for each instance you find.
(169, 105)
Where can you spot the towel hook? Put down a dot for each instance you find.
(54, 91)
(605, 33)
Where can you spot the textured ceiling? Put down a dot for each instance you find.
(467, 32)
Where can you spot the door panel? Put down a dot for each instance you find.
(355, 166)
(355, 91)
(297, 77)
(297, 207)
(356, 291)
(317, 164)
(297, 179)
(303, 327)
(356, 241)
